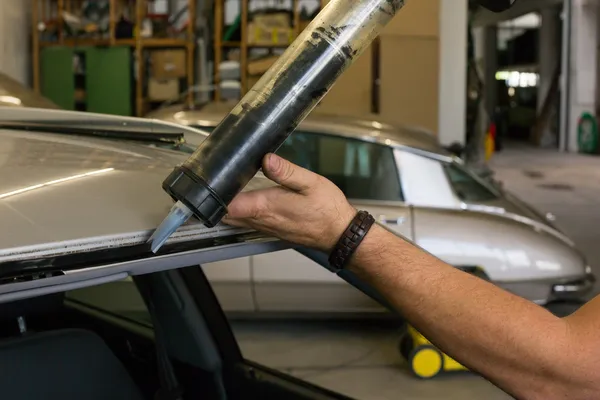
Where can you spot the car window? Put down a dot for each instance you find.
(466, 186)
(118, 298)
(362, 170)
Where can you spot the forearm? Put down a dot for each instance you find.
(514, 343)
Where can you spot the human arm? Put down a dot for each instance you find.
(517, 345)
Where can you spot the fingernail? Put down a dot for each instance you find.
(274, 162)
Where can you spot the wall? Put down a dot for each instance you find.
(351, 94)
(423, 54)
(453, 43)
(408, 71)
(15, 48)
(585, 17)
(410, 59)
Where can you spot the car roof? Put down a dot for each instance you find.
(77, 211)
(370, 127)
(63, 194)
(15, 94)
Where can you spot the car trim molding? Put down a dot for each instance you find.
(111, 272)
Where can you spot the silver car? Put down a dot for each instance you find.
(81, 295)
(14, 94)
(413, 186)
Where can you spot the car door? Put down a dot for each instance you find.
(367, 173)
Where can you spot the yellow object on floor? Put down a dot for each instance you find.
(490, 142)
(424, 359)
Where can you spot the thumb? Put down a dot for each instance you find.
(289, 175)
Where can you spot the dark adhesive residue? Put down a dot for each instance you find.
(233, 153)
(317, 94)
(393, 7)
(333, 34)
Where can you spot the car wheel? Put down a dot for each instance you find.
(564, 308)
(426, 362)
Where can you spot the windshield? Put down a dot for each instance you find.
(467, 186)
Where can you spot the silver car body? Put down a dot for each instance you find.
(14, 94)
(517, 246)
(69, 200)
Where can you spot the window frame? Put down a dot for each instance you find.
(462, 168)
(434, 171)
(397, 174)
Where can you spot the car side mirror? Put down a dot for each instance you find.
(497, 5)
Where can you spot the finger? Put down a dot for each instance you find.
(246, 205)
(238, 223)
(289, 175)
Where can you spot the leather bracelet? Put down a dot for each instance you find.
(351, 239)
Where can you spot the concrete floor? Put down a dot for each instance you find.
(356, 359)
(362, 361)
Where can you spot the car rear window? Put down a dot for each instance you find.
(467, 187)
(362, 170)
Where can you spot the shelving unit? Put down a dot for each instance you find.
(220, 46)
(51, 11)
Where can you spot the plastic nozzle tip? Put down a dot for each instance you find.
(178, 215)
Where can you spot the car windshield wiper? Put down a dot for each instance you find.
(156, 137)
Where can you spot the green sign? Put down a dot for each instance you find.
(587, 129)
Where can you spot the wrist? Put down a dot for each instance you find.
(350, 240)
(371, 246)
(337, 227)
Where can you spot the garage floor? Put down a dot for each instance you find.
(361, 359)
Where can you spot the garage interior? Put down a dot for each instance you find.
(513, 94)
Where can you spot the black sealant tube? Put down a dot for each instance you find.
(228, 159)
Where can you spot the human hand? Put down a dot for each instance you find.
(305, 209)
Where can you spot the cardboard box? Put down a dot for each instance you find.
(410, 85)
(266, 36)
(416, 18)
(261, 65)
(167, 64)
(273, 20)
(163, 90)
(351, 94)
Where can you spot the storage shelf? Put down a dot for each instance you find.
(47, 10)
(221, 46)
(165, 42)
(145, 42)
(269, 46)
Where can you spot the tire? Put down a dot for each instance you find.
(426, 362)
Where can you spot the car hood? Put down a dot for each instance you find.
(62, 194)
(509, 203)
